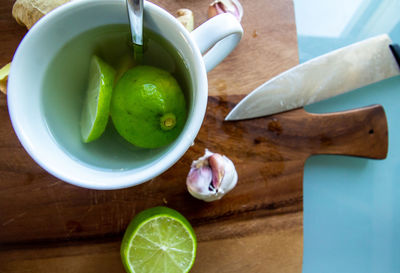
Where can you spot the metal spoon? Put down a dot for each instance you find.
(135, 14)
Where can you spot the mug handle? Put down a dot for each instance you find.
(218, 36)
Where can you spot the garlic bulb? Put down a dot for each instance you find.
(226, 6)
(211, 177)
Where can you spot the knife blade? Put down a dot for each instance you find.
(328, 75)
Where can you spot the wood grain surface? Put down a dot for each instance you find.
(47, 225)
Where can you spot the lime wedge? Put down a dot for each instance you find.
(4, 71)
(96, 107)
(159, 240)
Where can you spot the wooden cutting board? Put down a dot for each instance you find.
(47, 225)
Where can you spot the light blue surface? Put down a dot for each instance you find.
(352, 205)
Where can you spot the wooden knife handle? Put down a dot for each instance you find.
(360, 132)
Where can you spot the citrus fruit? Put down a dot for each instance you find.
(148, 107)
(124, 63)
(4, 71)
(96, 107)
(159, 240)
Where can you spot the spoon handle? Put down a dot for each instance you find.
(135, 13)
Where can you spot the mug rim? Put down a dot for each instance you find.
(130, 177)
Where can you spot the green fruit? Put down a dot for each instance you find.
(159, 239)
(148, 107)
(124, 63)
(96, 107)
(4, 71)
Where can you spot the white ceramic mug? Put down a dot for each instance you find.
(105, 165)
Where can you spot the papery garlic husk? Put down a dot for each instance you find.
(185, 16)
(226, 6)
(211, 177)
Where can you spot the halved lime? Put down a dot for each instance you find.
(96, 107)
(159, 240)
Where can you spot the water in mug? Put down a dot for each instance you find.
(65, 83)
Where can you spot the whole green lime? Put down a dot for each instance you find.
(148, 107)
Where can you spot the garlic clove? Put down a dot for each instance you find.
(230, 178)
(185, 16)
(217, 164)
(198, 180)
(211, 177)
(226, 6)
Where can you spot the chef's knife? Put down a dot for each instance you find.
(328, 75)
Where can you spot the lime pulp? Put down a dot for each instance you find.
(96, 107)
(161, 240)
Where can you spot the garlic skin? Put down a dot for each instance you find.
(211, 177)
(185, 16)
(226, 6)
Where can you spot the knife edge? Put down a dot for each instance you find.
(328, 75)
